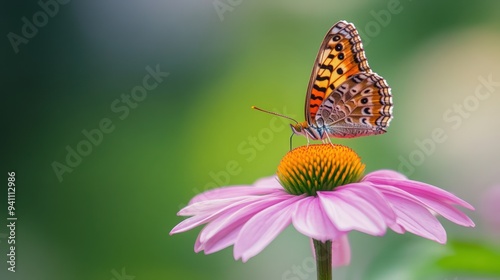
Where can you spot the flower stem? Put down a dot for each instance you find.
(323, 259)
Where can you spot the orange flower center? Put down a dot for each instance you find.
(322, 167)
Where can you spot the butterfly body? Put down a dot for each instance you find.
(345, 99)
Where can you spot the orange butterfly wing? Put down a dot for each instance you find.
(360, 106)
(340, 56)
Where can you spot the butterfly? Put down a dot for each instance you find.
(344, 99)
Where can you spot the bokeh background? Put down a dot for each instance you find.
(108, 216)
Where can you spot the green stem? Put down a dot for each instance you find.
(323, 259)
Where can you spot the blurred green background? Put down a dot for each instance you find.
(109, 214)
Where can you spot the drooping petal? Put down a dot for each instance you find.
(310, 219)
(206, 211)
(260, 230)
(221, 241)
(210, 206)
(240, 214)
(397, 228)
(414, 217)
(341, 251)
(223, 192)
(191, 223)
(421, 189)
(447, 211)
(235, 191)
(198, 246)
(349, 211)
(222, 232)
(432, 197)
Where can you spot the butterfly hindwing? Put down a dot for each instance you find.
(360, 106)
(341, 55)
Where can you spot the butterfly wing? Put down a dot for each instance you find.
(360, 106)
(341, 55)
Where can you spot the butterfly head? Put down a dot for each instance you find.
(299, 128)
(305, 129)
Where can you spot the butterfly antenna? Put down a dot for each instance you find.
(273, 113)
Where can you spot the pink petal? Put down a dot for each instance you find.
(239, 214)
(415, 217)
(198, 246)
(310, 219)
(190, 223)
(421, 189)
(235, 191)
(221, 241)
(207, 211)
(260, 230)
(349, 211)
(341, 251)
(210, 206)
(397, 228)
(223, 192)
(434, 198)
(260, 187)
(376, 199)
(222, 232)
(384, 173)
(448, 212)
(268, 182)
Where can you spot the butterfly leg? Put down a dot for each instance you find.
(328, 140)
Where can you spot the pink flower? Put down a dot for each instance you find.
(319, 191)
